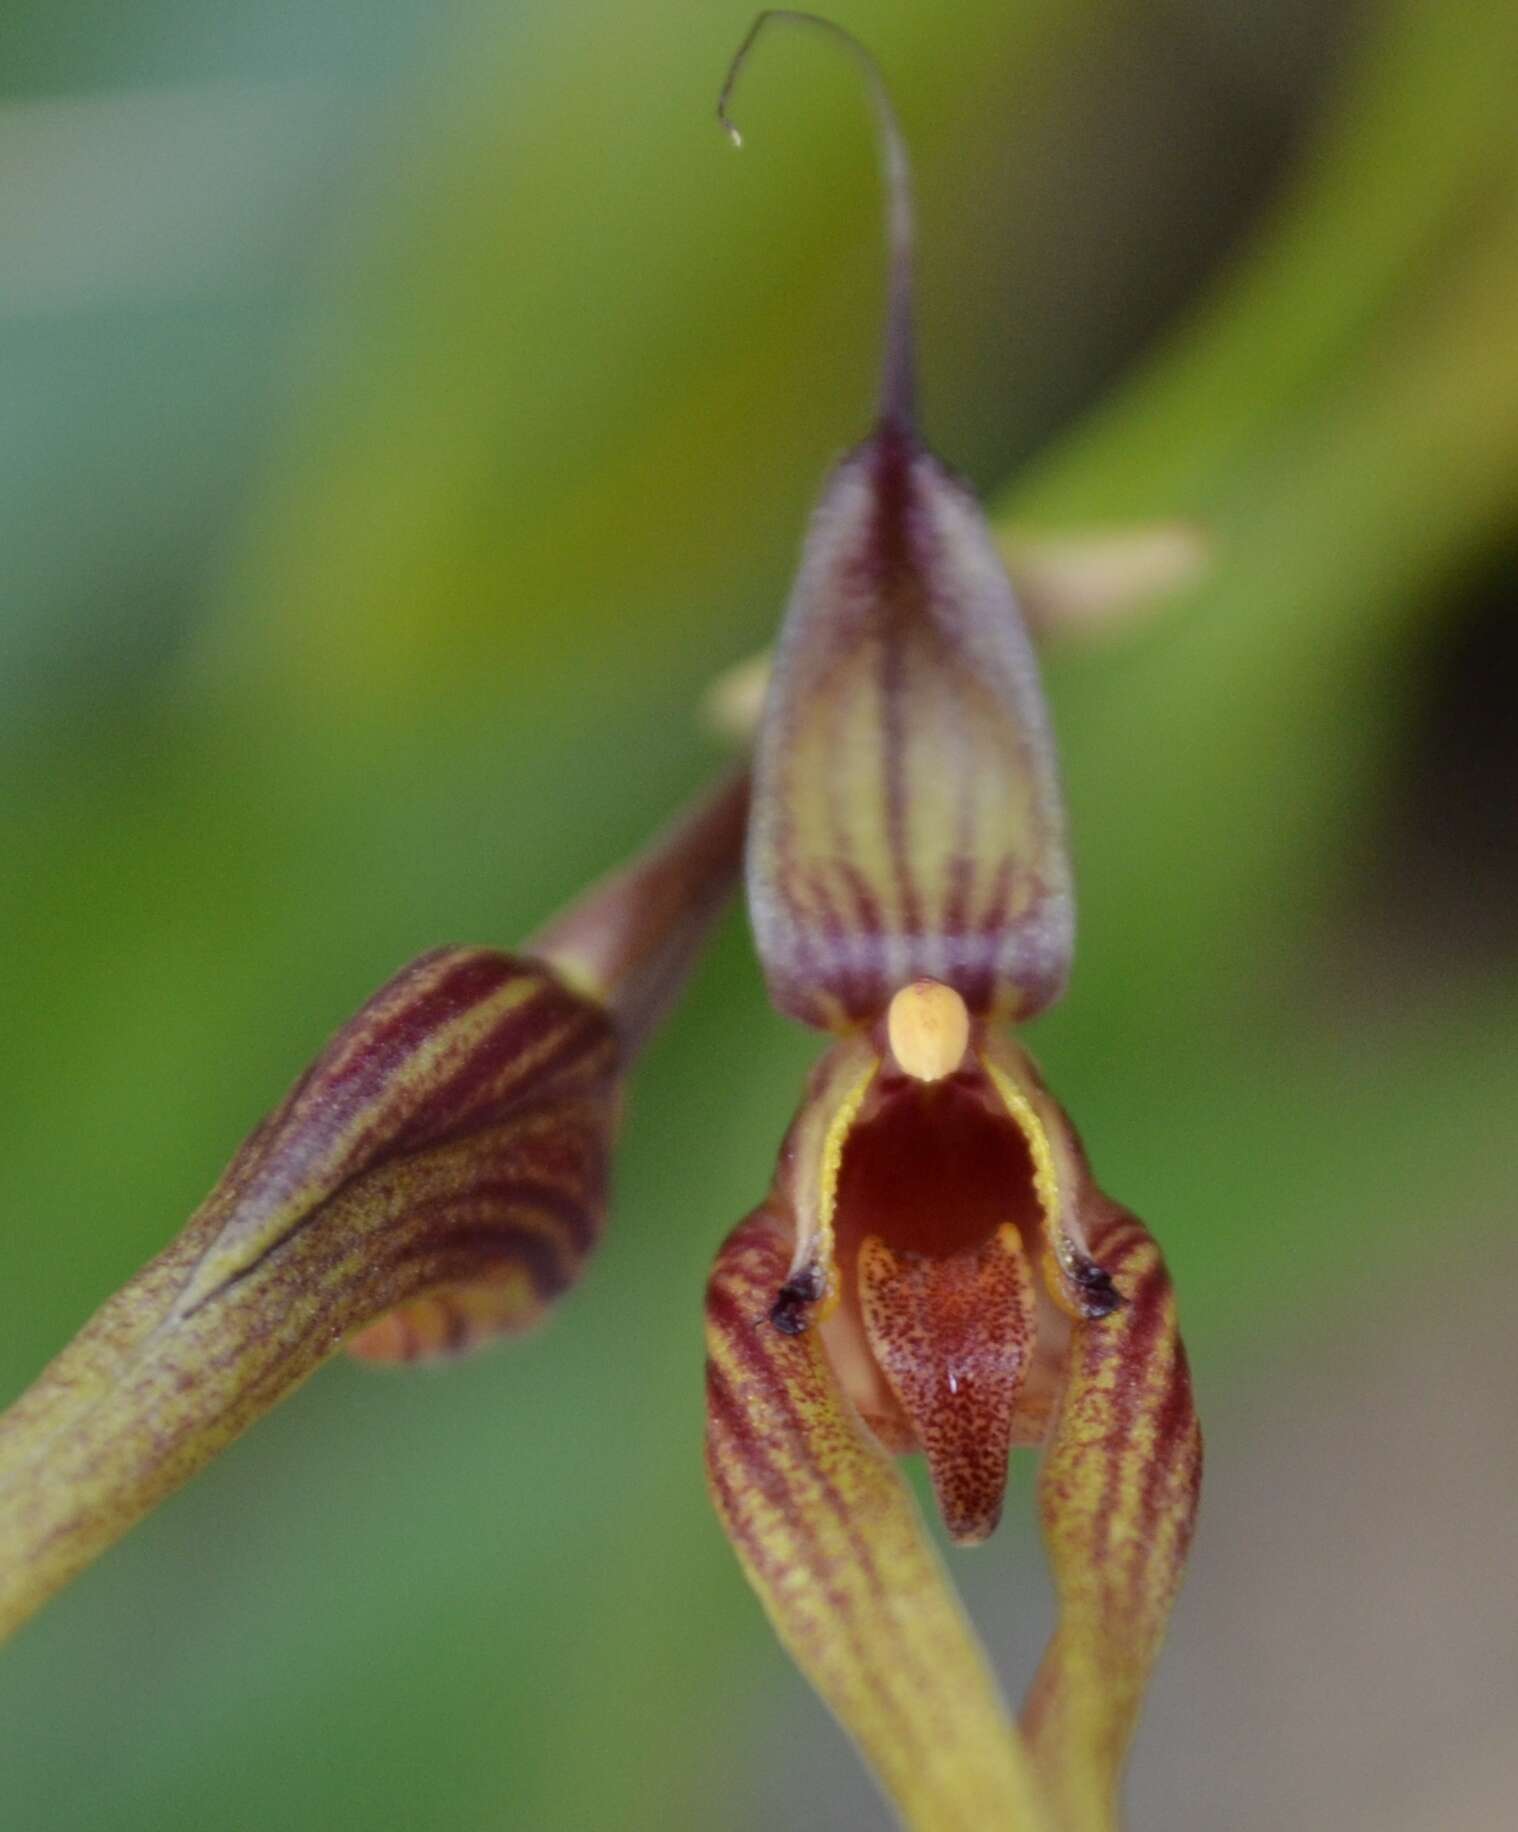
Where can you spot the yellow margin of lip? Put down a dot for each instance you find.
(839, 1127)
(1045, 1172)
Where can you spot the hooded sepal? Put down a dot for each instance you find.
(907, 821)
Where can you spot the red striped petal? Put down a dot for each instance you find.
(831, 1540)
(1118, 1495)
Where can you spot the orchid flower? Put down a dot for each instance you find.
(933, 1270)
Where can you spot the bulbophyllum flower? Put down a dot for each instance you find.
(934, 1268)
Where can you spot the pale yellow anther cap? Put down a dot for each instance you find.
(928, 1028)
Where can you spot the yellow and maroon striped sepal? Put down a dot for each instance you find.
(906, 820)
(832, 1540)
(1118, 1496)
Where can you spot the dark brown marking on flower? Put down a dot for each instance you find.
(998, 903)
(773, 1372)
(1099, 1296)
(573, 1214)
(823, 939)
(959, 883)
(457, 1332)
(891, 572)
(894, 715)
(1130, 1341)
(790, 1313)
(866, 902)
(468, 1250)
(886, 556)
(1177, 1457)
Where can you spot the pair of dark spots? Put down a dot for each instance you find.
(789, 1313)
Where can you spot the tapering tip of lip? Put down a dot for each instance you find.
(972, 1527)
(955, 1340)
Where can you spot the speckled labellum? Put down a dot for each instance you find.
(943, 1274)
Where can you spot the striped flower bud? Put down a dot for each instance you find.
(436, 1178)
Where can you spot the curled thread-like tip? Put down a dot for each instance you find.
(898, 368)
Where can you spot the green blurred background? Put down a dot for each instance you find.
(404, 411)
